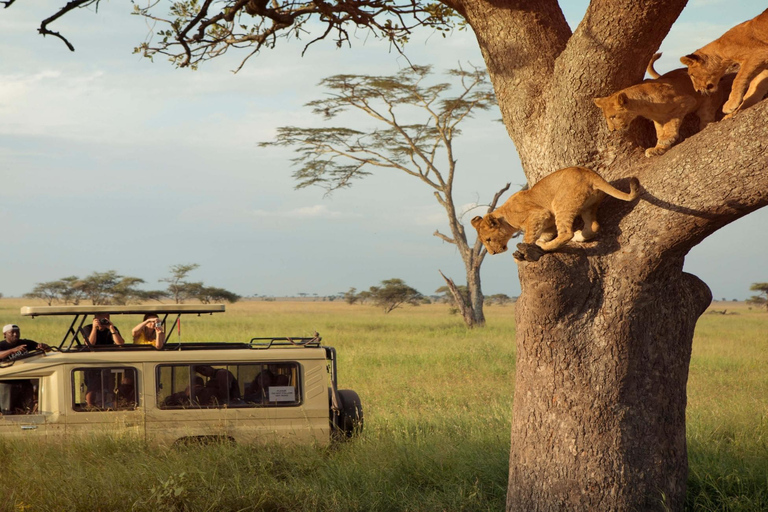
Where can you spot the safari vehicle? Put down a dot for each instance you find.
(273, 388)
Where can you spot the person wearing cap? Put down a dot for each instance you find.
(102, 331)
(12, 342)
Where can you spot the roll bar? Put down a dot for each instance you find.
(82, 312)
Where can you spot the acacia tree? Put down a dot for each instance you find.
(179, 289)
(393, 293)
(759, 299)
(605, 328)
(108, 288)
(333, 157)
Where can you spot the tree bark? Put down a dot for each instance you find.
(605, 328)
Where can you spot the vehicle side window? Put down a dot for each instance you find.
(104, 389)
(19, 396)
(221, 385)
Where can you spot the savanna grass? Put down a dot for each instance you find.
(437, 401)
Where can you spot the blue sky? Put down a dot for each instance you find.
(111, 162)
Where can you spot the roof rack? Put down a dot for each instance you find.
(285, 341)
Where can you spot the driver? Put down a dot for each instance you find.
(13, 343)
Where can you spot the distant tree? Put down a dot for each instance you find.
(334, 157)
(49, 291)
(125, 291)
(762, 298)
(393, 293)
(350, 296)
(149, 295)
(108, 288)
(179, 289)
(211, 294)
(70, 292)
(364, 296)
(501, 299)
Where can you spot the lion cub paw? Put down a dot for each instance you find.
(731, 106)
(657, 151)
(528, 252)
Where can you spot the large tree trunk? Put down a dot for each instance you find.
(602, 366)
(605, 328)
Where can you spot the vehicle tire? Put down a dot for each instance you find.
(349, 422)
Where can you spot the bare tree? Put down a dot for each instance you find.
(334, 157)
(605, 328)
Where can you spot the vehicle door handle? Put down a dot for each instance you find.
(29, 427)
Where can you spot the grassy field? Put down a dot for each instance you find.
(437, 402)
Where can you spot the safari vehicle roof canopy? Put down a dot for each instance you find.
(82, 312)
(160, 309)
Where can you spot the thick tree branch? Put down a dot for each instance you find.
(704, 183)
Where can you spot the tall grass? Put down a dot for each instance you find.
(437, 401)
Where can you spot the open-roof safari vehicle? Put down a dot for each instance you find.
(260, 390)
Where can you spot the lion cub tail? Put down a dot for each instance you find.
(634, 189)
(652, 72)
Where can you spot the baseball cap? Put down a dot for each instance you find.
(10, 327)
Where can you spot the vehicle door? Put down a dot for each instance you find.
(192, 401)
(105, 398)
(20, 413)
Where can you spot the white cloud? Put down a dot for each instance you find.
(318, 211)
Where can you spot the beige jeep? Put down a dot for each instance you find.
(260, 390)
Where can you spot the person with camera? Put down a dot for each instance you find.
(149, 332)
(102, 331)
(13, 346)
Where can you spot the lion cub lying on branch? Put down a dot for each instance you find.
(547, 210)
(666, 101)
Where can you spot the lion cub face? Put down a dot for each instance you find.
(494, 233)
(705, 71)
(615, 111)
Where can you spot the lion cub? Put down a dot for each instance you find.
(665, 101)
(745, 44)
(547, 210)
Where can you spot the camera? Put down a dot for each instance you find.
(104, 321)
(159, 324)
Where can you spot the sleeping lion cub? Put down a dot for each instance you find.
(665, 101)
(547, 210)
(745, 44)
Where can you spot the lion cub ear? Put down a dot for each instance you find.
(477, 221)
(691, 59)
(622, 99)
